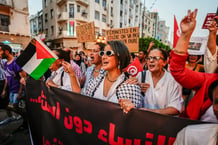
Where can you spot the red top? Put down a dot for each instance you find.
(197, 81)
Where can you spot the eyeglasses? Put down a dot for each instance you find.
(108, 53)
(155, 58)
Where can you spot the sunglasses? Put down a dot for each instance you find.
(155, 58)
(108, 53)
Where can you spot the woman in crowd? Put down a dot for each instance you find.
(200, 106)
(93, 71)
(162, 93)
(110, 86)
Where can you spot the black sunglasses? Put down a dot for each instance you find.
(108, 53)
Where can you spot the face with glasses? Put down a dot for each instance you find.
(109, 60)
(95, 58)
(155, 61)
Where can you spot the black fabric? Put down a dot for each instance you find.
(57, 116)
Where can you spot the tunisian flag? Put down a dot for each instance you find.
(176, 32)
(134, 68)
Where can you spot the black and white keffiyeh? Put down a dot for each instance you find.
(123, 90)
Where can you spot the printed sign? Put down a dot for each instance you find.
(197, 45)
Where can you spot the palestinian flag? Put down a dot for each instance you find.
(36, 58)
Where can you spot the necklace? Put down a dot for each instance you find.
(109, 79)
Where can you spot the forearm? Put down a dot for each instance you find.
(182, 44)
(166, 111)
(75, 83)
(211, 43)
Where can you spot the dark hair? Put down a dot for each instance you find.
(211, 89)
(144, 51)
(101, 45)
(163, 52)
(6, 47)
(63, 54)
(82, 52)
(199, 56)
(121, 52)
(133, 55)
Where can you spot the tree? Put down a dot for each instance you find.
(144, 44)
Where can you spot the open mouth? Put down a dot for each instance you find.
(151, 66)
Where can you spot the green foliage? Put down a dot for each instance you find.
(144, 44)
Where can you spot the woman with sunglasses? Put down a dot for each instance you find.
(110, 86)
(162, 93)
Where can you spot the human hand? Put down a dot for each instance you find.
(144, 86)
(188, 23)
(132, 80)
(126, 105)
(68, 68)
(212, 27)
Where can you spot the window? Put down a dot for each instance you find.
(46, 17)
(104, 3)
(71, 12)
(45, 2)
(78, 8)
(97, 1)
(121, 2)
(103, 18)
(46, 32)
(4, 20)
(111, 11)
(52, 13)
(4, 23)
(121, 25)
(97, 15)
(52, 30)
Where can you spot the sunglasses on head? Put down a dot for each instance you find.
(108, 53)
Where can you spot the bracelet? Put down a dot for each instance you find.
(179, 52)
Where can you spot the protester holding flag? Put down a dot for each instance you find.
(59, 78)
(162, 93)
(200, 106)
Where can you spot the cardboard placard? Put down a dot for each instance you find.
(130, 36)
(86, 33)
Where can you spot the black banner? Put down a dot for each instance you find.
(63, 118)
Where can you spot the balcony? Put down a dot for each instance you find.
(85, 3)
(63, 33)
(62, 17)
(4, 28)
(6, 3)
(61, 2)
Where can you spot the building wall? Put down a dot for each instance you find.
(19, 18)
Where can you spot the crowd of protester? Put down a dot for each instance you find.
(174, 85)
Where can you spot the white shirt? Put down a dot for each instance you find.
(209, 115)
(210, 61)
(56, 78)
(167, 92)
(111, 97)
(201, 134)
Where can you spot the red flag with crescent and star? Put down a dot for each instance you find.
(176, 34)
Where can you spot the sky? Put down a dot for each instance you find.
(166, 9)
